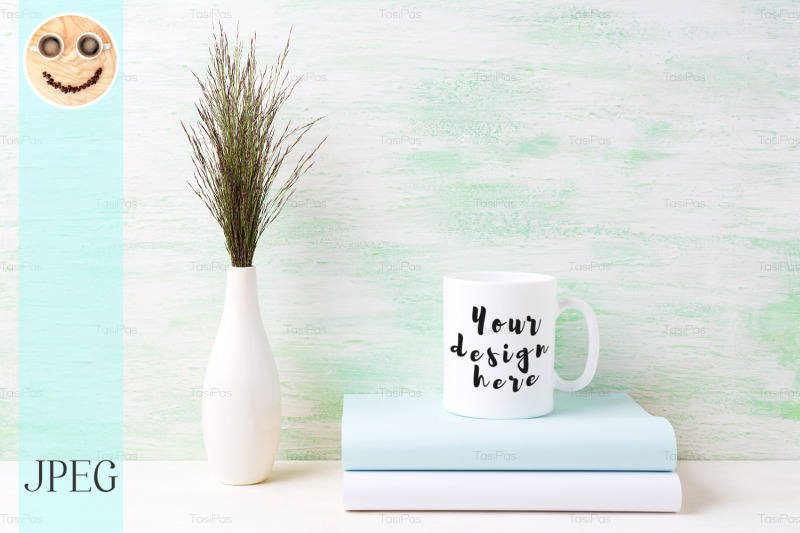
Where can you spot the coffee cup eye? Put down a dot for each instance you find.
(89, 46)
(50, 46)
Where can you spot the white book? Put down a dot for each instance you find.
(511, 491)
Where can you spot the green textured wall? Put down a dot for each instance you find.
(646, 154)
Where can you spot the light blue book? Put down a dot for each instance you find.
(589, 432)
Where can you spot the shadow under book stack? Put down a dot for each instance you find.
(594, 452)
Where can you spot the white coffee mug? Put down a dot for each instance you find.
(98, 41)
(39, 46)
(499, 336)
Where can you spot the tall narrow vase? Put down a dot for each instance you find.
(241, 395)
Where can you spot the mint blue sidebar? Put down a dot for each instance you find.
(70, 299)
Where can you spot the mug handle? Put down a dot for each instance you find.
(594, 346)
(106, 46)
(34, 48)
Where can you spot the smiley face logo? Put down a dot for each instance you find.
(71, 60)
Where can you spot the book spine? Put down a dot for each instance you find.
(512, 491)
(653, 448)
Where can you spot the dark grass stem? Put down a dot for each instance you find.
(238, 149)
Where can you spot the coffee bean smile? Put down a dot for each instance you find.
(66, 89)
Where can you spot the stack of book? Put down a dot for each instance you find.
(594, 452)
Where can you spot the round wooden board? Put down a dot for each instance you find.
(70, 68)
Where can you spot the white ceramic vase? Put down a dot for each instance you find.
(241, 395)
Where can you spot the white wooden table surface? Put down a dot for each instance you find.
(307, 496)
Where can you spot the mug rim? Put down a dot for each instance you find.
(499, 277)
